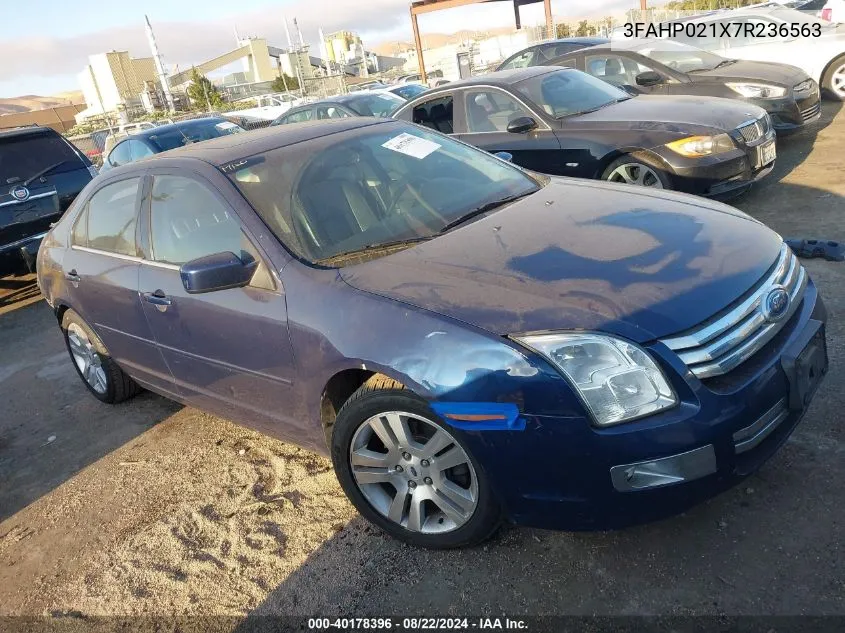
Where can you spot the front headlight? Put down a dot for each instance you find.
(757, 91)
(617, 380)
(696, 146)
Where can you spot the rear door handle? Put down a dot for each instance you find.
(157, 298)
(71, 275)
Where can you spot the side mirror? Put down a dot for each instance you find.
(216, 272)
(649, 78)
(521, 125)
(506, 156)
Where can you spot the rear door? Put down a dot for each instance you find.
(228, 350)
(101, 269)
(488, 111)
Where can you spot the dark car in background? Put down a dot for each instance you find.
(665, 67)
(470, 342)
(377, 103)
(538, 54)
(567, 123)
(41, 173)
(163, 138)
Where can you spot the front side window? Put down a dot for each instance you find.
(680, 57)
(109, 220)
(520, 60)
(609, 68)
(378, 105)
(296, 117)
(436, 114)
(187, 221)
(139, 150)
(330, 112)
(120, 155)
(359, 190)
(492, 110)
(566, 92)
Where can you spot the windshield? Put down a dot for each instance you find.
(380, 105)
(193, 133)
(680, 56)
(371, 186)
(25, 155)
(566, 92)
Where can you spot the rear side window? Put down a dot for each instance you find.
(23, 156)
(108, 221)
(120, 155)
(436, 114)
(297, 117)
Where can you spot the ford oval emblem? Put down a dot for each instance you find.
(20, 193)
(776, 304)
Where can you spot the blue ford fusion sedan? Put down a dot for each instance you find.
(469, 341)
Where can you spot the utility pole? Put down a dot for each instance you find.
(162, 75)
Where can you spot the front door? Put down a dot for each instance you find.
(489, 111)
(101, 268)
(229, 350)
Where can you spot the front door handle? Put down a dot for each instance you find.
(157, 298)
(72, 275)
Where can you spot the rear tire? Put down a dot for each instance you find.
(833, 81)
(98, 371)
(407, 484)
(633, 170)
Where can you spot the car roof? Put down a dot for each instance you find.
(588, 40)
(221, 150)
(179, 125)
(27, 130)
(500, 78)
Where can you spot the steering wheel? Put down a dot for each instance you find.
(402, 186)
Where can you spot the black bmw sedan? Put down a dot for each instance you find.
(666, 67)
(565, 122)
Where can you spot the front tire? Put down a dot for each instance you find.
(833, 81)
(409, 473)
(98, 371)
(635, 171)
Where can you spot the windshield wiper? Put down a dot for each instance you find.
(725, 62)
(43, 172)
(484, 208)
(374, 247)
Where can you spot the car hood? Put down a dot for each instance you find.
(696, 112)
(584, 255)
(770, 72)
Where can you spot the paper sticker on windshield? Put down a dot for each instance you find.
(411, 145)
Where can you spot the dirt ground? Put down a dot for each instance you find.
(151, 508)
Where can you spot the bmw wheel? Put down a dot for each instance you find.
(92, 362)
(634, 171)
(407, 472)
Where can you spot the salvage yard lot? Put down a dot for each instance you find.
(151, 508)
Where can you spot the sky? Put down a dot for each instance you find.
(43, 55)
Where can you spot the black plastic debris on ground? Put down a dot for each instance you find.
(831, 251)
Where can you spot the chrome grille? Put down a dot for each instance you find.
(733, 336)
(750, 132)
(812, 111)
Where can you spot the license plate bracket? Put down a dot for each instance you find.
(805, 363)
(766, 153)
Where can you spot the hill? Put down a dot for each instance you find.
(27, 103)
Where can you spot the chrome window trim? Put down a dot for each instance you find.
(541, 123)
(728, 340)
(35, 197)
(128, 258)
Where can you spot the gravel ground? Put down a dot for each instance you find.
(151, 508)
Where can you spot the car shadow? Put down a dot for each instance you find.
(51, 427)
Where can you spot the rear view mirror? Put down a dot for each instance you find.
(216, 272)
(506, 156)
(521, 125)
(649, 78)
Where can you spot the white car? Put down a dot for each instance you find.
(269, 107)
(822, 57)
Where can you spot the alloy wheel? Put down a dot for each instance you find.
(636, 174)
(837, 81)
(414, 472)
(87, 358)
